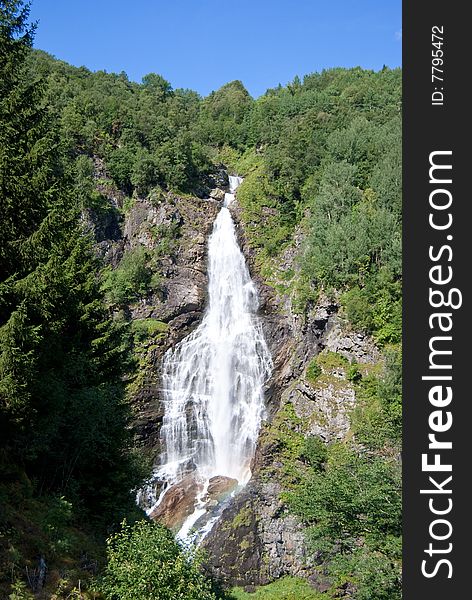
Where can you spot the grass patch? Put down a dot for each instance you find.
(286, 588)
(143, 329)
(330, 361)
(325, 364)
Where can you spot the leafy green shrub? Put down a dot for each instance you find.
(132, 279)
(313, 370)
(345, 503)
(143, 329)
(314, 452)
(20, 592)
(145, 561)
(353, 373)
(374, 575)
(376, 307)
(377, 417)
(268, 223)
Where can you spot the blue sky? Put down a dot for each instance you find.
(203, 44)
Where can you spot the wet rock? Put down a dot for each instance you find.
(325, 409)
(219, 178)
(180, 300)
(234, 547)
(178, 503)
(217, 194)
(220, 487)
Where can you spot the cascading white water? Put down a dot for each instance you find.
(213, 379)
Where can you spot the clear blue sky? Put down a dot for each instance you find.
(202, 44)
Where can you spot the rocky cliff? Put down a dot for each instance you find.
(256, 540)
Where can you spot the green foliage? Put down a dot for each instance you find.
(353, 510)
(132, 279)
(224, 114)
(282, 438)
(286, 588)
(144, 561)
(313, 370)
(350, 496)
(330, 361)
(314, 452)
(375, 575)
(267, 226)
(19, 591)
(354, 374)
(377, 418)
(143, 329)
(325, 364)
(64, 424)
(376, 307)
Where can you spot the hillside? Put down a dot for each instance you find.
(108, 191)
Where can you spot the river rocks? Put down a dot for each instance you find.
(178, 503)
(220, 487)
(181, 499)
(217, 194)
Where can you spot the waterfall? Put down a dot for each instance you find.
(213, 379)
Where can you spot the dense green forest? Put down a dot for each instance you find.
(321, 161)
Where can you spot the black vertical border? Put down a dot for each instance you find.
(427, 128)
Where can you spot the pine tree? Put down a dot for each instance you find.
(62, 414)
(28, 160)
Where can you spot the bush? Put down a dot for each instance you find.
(353, 512)
(377, 418)
(143, 329)
(313, 370)
(353, 373)
(145, 561)
(314, 452)
(376, 307)
(131, 280)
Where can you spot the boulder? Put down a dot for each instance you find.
(220, 487)
(178, 503)
(217, 194)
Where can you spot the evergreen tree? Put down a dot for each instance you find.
(62, 414)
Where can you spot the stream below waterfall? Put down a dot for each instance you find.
(212, 387)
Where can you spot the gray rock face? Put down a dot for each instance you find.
(325, 411)
(180, 300)
(355, 346)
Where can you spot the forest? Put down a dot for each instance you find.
(321, 162)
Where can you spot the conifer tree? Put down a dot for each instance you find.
(62, 414)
